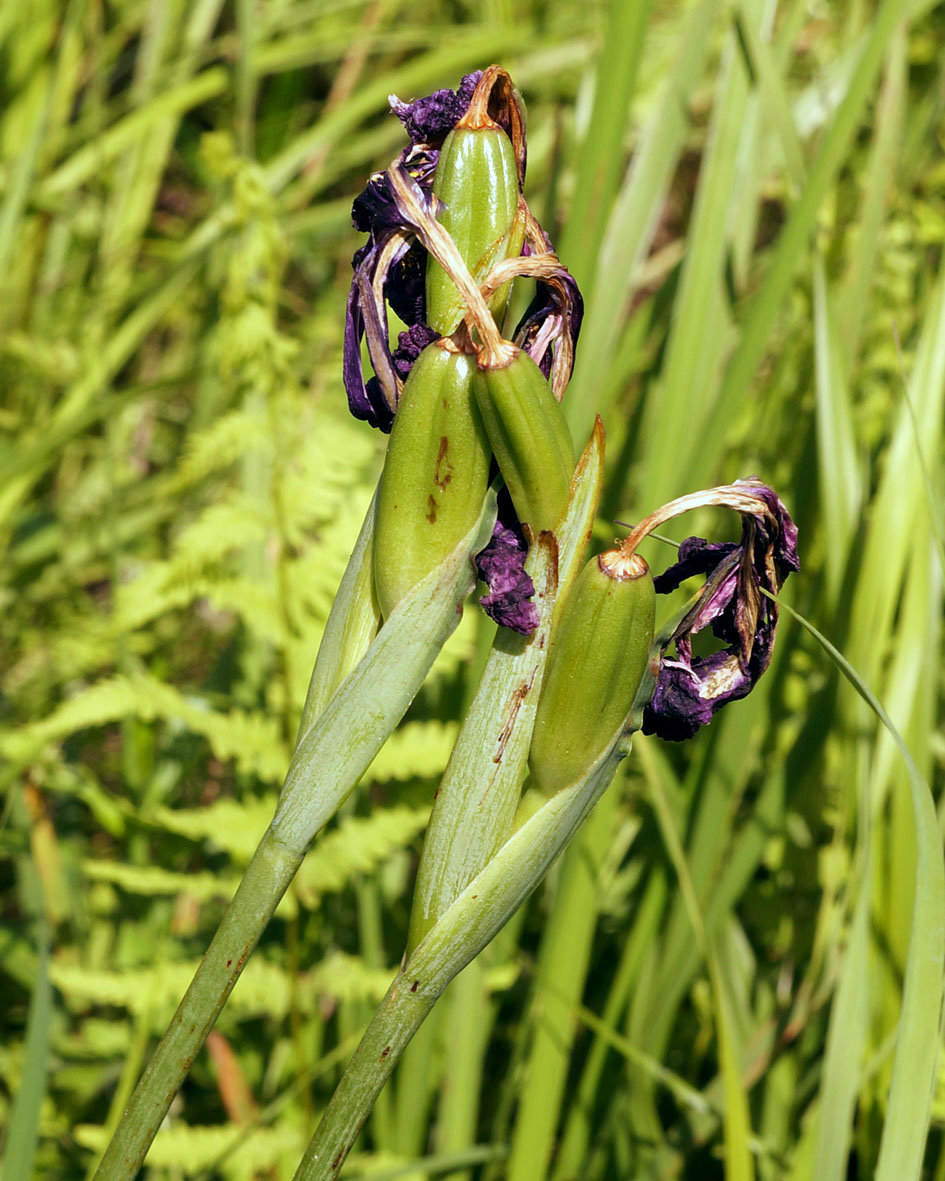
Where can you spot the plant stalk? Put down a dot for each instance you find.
(329, 760)
(265, 881)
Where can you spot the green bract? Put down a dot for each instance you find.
(529, 436)
(599, 652)
(435, 474)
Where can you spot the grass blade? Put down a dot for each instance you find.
(917, 1047)
(23, 1128)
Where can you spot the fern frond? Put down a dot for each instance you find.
(192, 1150)
(166, 586)
(357, 846)
(250, 739)
(417, 750)
(232, 826)
(229, 525)
(216, 448)
(264, 989)
(153, 881)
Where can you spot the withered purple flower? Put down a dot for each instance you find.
(555, 312)
(691, 689)
(501, 566)
(390, 268)
(429, 120)
(398, 210)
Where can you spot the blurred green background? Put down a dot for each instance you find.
(752, 196)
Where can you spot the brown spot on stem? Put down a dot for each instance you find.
(415, 986)
(443, 471)
(431, 511)
(384, 1053)
(519, 693)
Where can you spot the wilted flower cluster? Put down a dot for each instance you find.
(398, 211)
(389, 270)
(391, 265)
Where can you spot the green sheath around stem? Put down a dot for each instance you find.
(352, 624)
(458, 936)
(475, 804)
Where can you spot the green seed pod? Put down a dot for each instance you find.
(529, 436)
(435, 474)
(599, 652)
(476, 180)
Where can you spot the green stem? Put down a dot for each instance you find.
(474, 918)
(395, 1021)
(266, 879)
(329, 760)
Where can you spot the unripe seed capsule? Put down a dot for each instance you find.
(435, 474)
(529, 436)
(599, 652)
(477, 182)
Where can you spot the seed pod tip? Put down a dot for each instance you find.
(622, 567)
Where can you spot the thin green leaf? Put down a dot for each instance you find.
(23, 1127)
(917, 1048)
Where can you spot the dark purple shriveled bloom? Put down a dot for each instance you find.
(390, 269)
(429, 120)
(691, 689)
(501, 566)
(392, 259)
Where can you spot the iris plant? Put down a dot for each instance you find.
(492, 833)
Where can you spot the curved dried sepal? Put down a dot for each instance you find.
(548, 331)
(419, 212)
(495, 103)
(367, 316)
(740, 496)
(733, 602)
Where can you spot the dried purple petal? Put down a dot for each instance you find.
(376, 400)
(690, 690)
(429, 120)
(555, 310)
(696, 556)
(405, 288)
(364, 402)
(389, 258)
(678, 707)
(501, 566)
(410, 345)
(375, 207)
